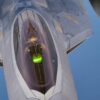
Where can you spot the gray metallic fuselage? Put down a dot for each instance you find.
(68, 26)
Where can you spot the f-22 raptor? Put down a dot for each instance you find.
(35, 39)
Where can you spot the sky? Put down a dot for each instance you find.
(84, 61)
(3, 90)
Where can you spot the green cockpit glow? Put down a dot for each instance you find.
(37, 59)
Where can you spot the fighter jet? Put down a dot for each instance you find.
(36, 37)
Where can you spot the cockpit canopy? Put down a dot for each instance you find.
(35, 51)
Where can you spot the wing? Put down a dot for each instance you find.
(74, 25)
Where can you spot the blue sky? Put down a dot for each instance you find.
(84, 61)
(3, 92)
